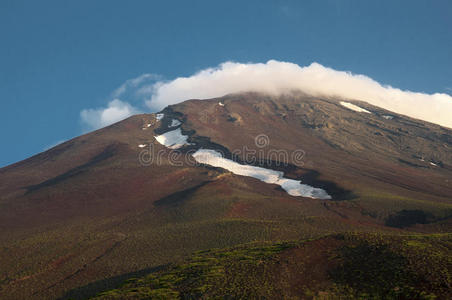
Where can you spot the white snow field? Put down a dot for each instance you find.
(292, 187)
(354, 107)
(175, 123)
(173, 139)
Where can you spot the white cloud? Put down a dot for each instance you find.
(133, 84)
(275, 77)
(119, 109)
(101, 117)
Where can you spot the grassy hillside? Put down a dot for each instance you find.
(361, 266)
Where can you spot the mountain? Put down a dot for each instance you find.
(116, 203)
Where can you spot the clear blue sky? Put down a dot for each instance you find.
(59, 57)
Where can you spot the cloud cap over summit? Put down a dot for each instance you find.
(277, 77)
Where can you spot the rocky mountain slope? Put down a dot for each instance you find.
(85, 215)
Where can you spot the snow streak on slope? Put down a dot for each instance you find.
(172, 139)
(354, 107)
(292, 187)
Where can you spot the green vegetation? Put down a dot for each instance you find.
(240, 272)
(363, 266)
(389, 267)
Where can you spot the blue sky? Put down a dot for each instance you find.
(60, 57)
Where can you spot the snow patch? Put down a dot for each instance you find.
(388, 117)
(221, 103)
(142, 145)
(146, 126)
(433, 164)
(292, 187)
(175, 123)
(159, 116)
(173, 139)
(354, 107)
